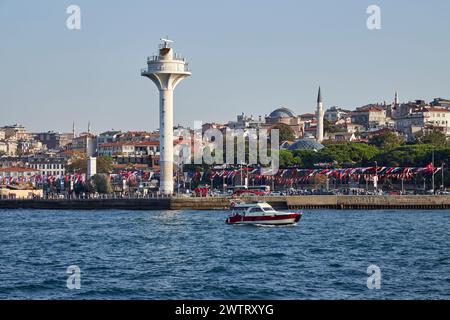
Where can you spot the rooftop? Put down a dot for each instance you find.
(306, 144)
(281, 113)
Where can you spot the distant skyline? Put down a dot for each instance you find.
(251, 57)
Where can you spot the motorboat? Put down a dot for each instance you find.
(260, 213)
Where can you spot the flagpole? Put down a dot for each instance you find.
(432, 177)
(223, 182)
(376, 176)
(403, 185)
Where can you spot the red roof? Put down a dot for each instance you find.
(128, 143)
(369, 109)
(130, 165)
(68, 152)
(136, 144)
(435, 110)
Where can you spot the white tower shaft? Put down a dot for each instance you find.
(319, 115)
(166, 140)
(166, 70)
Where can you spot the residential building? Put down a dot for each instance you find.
(417, 120)
(308, 117)
(15, 132)
(246, 122)
(341, 136)
(11, 147)
(373, 133)
(334, 114)
(15, 172)
(440, 102)
(3, 148)
(209, 126)
(135, 136)
(28, 146)
(370, 116)
(108, 137)
(54, 140)
(85, 142)
(53, 166)
(129, 148)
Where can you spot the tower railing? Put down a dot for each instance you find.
(158, 58)
(173, 68)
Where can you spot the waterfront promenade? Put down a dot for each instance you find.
(339, 202)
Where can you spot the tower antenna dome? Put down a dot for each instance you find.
(166, 41)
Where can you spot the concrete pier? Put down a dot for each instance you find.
(220, 203)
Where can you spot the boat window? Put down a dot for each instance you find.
(256, 210)
(268, 209)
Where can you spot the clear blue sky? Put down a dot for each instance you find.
(246, 56)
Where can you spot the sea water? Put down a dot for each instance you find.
(195, 255)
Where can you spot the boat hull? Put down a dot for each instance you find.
(275, 220)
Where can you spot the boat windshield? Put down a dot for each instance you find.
(267, 208)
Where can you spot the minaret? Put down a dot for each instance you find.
(91, 146)
(319, 116)
(166, 70)
(396, 101)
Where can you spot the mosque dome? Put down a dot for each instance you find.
(306, 144)
(281, 113)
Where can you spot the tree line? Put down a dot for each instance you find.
(386, 149)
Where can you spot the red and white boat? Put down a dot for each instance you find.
(260, 213)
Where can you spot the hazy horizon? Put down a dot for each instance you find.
(248, 57)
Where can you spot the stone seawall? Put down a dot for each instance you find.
(369, 202)
(88, 204)
(281, 203)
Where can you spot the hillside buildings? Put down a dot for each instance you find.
(48, 153)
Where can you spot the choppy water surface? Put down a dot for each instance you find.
(194, 255)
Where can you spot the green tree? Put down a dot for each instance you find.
(414, 155)
(435, 138)
(351, 153)
(102, 184)
(345, 153)
(331, 128)
(287, 159)
(104, 164)
(78, 163)
(386, 141)
(286, 133)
